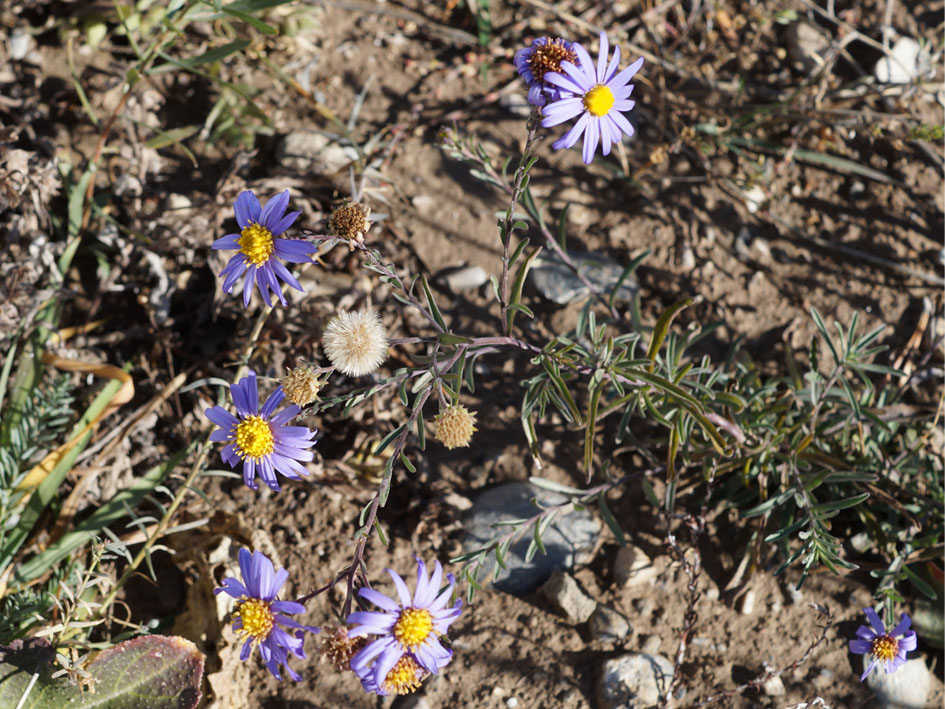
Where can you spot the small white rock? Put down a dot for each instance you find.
(634, 680)
(774, 687)
(608, 625)
(633, 567)
(511, 702)
(755, 198)
(465, 278)
(906, 62)
(19, 44)
(906, 688)
(748, 603)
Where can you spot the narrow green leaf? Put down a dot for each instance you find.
(662, 328)
(109, 513)
(516, 295)
(431, 303)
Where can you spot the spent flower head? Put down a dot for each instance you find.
(407, 647)
(889, 648)
(350, 221)
(355, 343)
(454, 426)
(301, 385)
(338, 649)
(597, 96)
(260, 437)
(543, 56)
(259, 247)
(258, 614)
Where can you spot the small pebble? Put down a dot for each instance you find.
(774, 687)
(748, 603)
(511, 702)
(650, 644)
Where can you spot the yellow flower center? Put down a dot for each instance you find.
(413, 627)
(405, 677)
(885, 648)
(256, 243)
(254, 438)
(599, 100)
(257, 618)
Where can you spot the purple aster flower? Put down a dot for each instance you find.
(890, 647)
(258, 247)
(408, 647)
(260, 438)
(543, 56)
(258, 614)
(599, 96)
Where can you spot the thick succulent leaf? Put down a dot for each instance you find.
(149, 672)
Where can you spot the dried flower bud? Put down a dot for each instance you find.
(350, 221)
(455, 426)
(301, 385)
(338, 649)
(355, 343)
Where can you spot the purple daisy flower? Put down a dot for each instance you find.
(258, 614)
(543, 56)
(600, 97)
(890, 647)
(258, 247)
(260, 438)
(408, 647)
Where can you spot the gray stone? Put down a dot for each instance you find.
(568, 540)
(558, 283)
(650, 644)
(633, 567)
(807, 45)
(516, 104)
(906, 688)
(462, 278)
(313, 152)
(928, 621)
(634, 681)
(609, 625)
(567, 597)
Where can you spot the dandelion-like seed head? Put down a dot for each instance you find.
(355, 343)
(257, 618)
(455, 426)
(548, 57)
(405, 677)
(256, 243)
(350, 221)
(301, 385)
(338, 649)
(413, 627)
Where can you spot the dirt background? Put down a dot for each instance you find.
(806, 236)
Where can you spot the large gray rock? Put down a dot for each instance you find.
(634, 681)
(570, 539)
(559, 284)
(906, 688)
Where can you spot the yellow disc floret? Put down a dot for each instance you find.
(413, 627)
(254, 438)
(885, 648)
(257, 618)
(256, 243)
(405, 677)
(599, 100)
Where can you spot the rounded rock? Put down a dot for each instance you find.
(634, 681)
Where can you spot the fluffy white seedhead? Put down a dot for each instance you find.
(355, 343)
